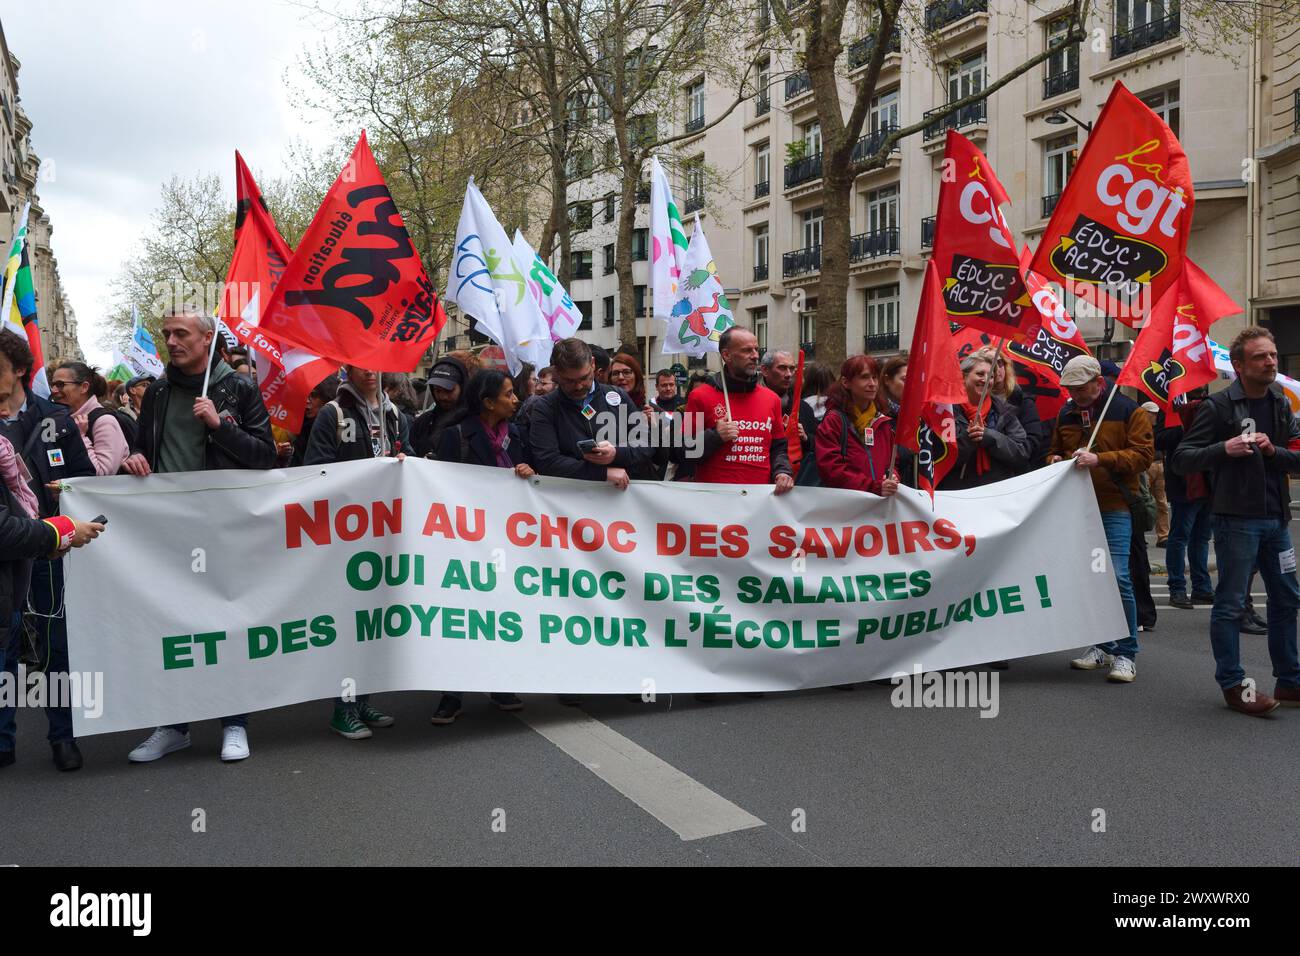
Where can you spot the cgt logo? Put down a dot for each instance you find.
(76, 909)
(1159, 377)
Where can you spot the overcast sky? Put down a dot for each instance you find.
(124, 95)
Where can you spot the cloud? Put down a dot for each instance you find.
(123, 96)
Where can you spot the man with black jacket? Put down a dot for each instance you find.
(1247, 436)
(183, 430)
(50, 443)
(578, 410)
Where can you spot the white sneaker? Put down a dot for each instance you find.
(234, 743)
(1123, 670)
(161, 742)
(1090, 661)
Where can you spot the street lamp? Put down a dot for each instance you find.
(1059, 117)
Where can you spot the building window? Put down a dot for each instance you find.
(694, 173)
(1131, 14)
(579, 164)
(1165, 105)
(812, 228)
(638, 299)
(585, 309)
(581, 265)
(695, 106)
(808, 326)
(1063, 65)
(882, 318)
(882, 209)
(758, 318)
(884, 112)
(580, 215)
(762, 166)
(641, 130)
(609, 208)
(760, 252)
(967, 77)
(640, 244)
(811, 134)
(1059, 156)
(609, 258)
(609, 311)
(764, 102)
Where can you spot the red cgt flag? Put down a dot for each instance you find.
(1119, 233)
(355, 291)
(1041, 357)
(1172, 354)
(934, 382)
(974, 248)
(285, 376)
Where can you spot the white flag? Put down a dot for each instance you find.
(667, 244)
(700, 312)
(489, 282)
(557, 307)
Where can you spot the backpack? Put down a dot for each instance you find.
(130, 430)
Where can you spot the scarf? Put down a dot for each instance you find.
(12, 472)
(982, 462)
(497, 436)
(370, 414)
(862, 420)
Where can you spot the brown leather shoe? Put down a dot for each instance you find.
(1261, 706)
(1287, 696)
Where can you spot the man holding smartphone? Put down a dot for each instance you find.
(564, 424)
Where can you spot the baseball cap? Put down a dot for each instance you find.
(1151, 407)
(1080, 370)
(446, 374)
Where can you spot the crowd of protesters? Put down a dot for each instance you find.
(1225, 463)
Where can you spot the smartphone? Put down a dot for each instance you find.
(586, 445)
(99, 519)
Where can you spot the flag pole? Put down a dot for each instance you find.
(649, 311)
(1101, 418)
(383, 419)
(212, 350)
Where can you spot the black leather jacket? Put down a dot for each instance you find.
(243, 440)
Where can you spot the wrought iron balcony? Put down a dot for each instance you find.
(943, 12)
(803, 171)
(860, 50)
(1049, 203)
(797, 83)
(694, 202)
(881, 342)
(1148, 34)
(968, 115)
(872, 245)
(695, 124)
(801, 261)
(762, 105)
(760, 272)
(927, 232)
(761, 189)
(870, 144)
(1054, 84)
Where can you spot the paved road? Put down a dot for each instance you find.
(1181, 780)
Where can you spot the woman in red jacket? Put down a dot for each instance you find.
(855, 442)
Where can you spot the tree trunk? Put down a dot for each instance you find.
(833, 289)
(628, 319)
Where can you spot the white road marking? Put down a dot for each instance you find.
(684, 805)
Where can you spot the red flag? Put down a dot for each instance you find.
(355, 290)
(934, 382)
(1172, 355)
(1041, 358)
(794, 447)
(1119, 233)
(285, 376)
(973, 246)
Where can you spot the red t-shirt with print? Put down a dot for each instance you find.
(748, 459)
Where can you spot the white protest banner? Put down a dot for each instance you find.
(224, 592)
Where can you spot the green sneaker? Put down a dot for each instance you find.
(374, 718)
(347, 723)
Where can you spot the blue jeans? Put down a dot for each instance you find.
(1189, 531)
(1119, 538)
(1238, 544)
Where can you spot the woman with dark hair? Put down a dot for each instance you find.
(854, 441)
(892, 379)
(817, 381)
(81, 387)
(625, 373)
(481, 433)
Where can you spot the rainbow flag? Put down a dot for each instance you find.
(19, 308)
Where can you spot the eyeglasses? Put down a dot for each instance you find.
(56, 384)
(622, 373)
